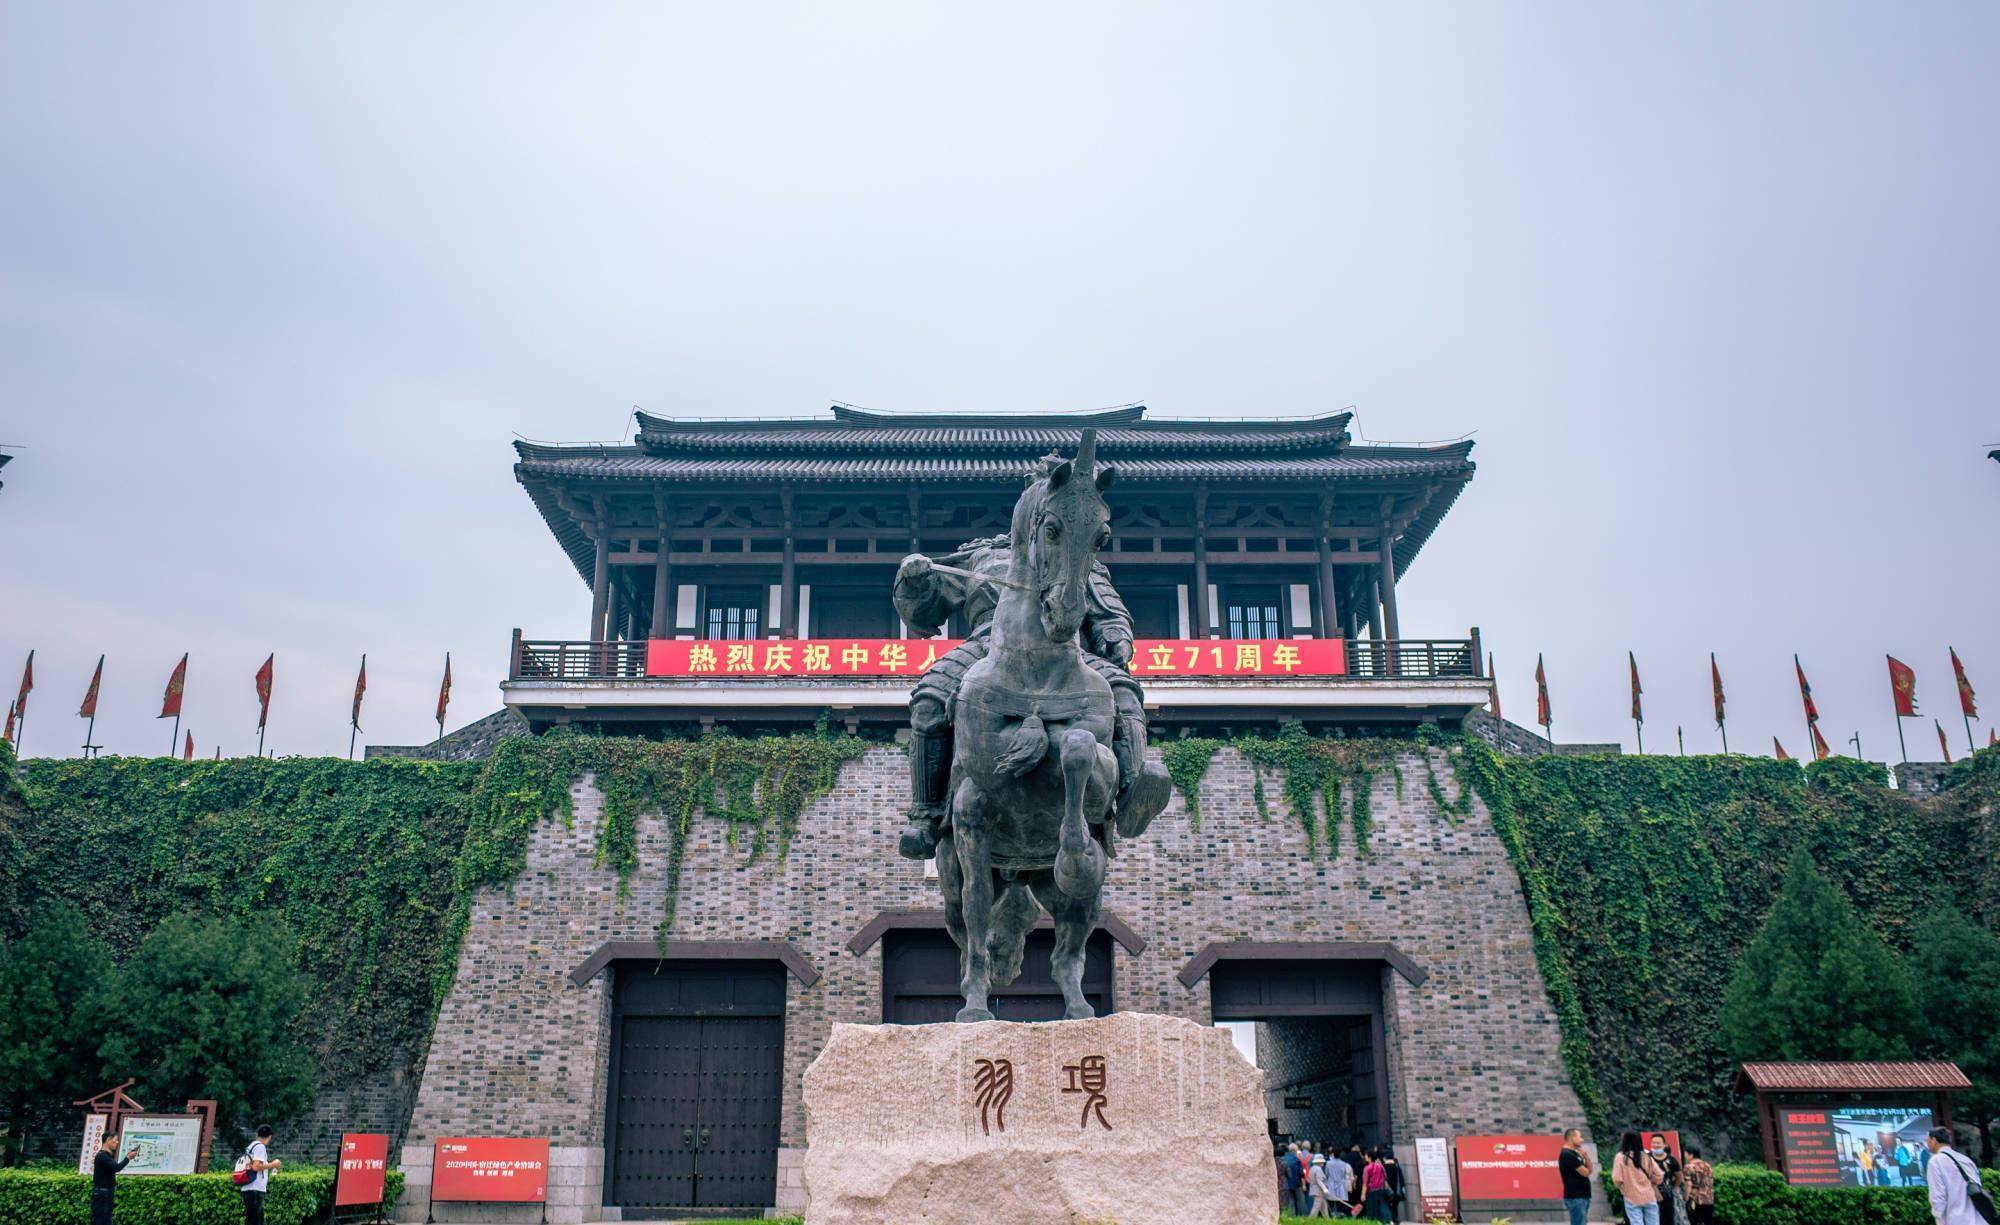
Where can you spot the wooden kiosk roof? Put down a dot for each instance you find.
(1850, 1078)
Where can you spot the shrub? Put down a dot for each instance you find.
(62, 1197)
(1753, 1195)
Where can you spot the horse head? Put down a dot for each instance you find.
(1059, 525)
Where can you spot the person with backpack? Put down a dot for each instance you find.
(1957, 1195)
(253, 1175)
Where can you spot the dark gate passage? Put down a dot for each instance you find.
(920, 979)
(697, 1069)
(1319, 1041)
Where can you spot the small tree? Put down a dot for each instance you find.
(1957, 967)
(52, 984)
(203, 1010)
(1815, 983)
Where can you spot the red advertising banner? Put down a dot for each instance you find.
(910, 656)
(490, 1170)
(364, 1167)
(1509, 1168)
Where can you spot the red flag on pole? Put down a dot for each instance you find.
(1779, 745)
(89, 708)
(1820, 751)
(1967, 704)
(360, 687)
(444, 690)
(187, 750)
(1805, 692)
(1903, 683)
(264, 689)
(170, 706)
(1715, 683)
(1542, 714)
(27, 683)
(1637, 715)
(1942, 746)
(9, 736)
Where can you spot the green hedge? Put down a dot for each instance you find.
(1753, 1195)
(62, 1197)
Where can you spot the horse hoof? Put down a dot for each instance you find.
(1079, 1012)
(973, 1014)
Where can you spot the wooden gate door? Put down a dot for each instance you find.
(697, 1087)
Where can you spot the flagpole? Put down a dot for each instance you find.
(89, 734)
(1725, 738)
(1681, 740)
(1639, 726)
(1857, 747)
(260, 740)
(1972, 746)
(354, 729)
(1901, 743)
(174, 746)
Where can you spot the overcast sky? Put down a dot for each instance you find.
(1713, 285)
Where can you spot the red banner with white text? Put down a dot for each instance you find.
(490, 1170)
(1151, 657)
(364, 1169)
(1509, 1168)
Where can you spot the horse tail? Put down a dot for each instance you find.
(1026, 745)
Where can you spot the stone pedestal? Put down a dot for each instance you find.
(1130, 1118)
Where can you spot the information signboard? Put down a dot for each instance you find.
(1434, 1180)
(889, 657)
(93, 1139)
(490, 1170)
(364, 1169)
(1854, 1146)
(161, 1143)
(1492, 1168)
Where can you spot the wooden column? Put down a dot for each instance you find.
(788, 573)
(600, 586)
(1329, 600)
(1199, 596)
(1372, 588)
(1387, 583)
(916, 520)
(615, 624)
(663, 587)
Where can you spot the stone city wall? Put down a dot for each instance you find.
(520, 1050)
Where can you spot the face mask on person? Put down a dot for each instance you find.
(1659, 1150)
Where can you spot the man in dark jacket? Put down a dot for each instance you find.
(104, 1180)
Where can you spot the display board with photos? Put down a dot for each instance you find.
(1855, 1146)
(161, 1143)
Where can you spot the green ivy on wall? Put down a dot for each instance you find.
(1646, 877)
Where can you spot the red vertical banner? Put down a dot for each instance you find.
(364, 1169)
(1903, 687)
(264, 675)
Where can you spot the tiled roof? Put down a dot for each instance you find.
(1121, 429)
(1850, 1077)
(634, 463)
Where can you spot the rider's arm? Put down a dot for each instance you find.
(926, 598)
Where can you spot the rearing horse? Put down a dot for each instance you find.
(1033, 776)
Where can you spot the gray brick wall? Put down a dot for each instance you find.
(518, 1050)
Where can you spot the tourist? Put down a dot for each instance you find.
(1292, 1168)
(1356, 1161)
(1638, 1178)
(1670, 1182)
(260, 1166)
(1954, 1180)
(1886, 1167)
(1396, 1190)
(1867, 1163)
(104, 1180)
(1316, 1182)
(1698, 1181)
(1574, 1165)
(1375, 1188)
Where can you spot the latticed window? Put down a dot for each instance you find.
(1251, 612)
(734, 613)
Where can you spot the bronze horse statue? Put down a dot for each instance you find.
(1033, 776)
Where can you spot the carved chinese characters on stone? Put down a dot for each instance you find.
(1086, 1076)
(994, 1084)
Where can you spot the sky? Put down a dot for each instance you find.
(1714, 286)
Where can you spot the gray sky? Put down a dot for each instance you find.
(1714, 284)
